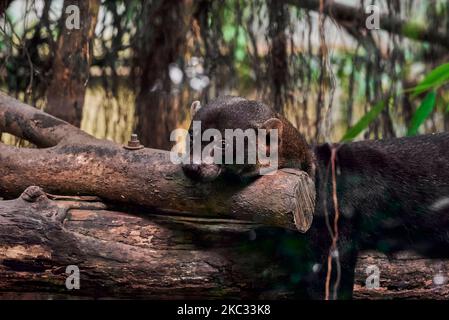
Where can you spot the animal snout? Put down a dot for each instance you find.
(202, 172)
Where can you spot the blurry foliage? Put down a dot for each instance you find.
(364, 122)
(324, 77)
(422, 113)
(435, 79)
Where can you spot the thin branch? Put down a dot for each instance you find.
(344, 14)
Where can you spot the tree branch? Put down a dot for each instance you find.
(356, 17)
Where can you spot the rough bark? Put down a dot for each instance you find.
(65, 94)
(152, 256)
(403, 276)
(120, 255)
(73, 162)
(356, 17)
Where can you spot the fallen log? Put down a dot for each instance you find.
(170, 257)
(123, 256)
(69, 161)
(405, 275)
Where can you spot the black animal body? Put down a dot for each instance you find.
(392, 194)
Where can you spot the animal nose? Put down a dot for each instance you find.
(192, 171)
(202, 172)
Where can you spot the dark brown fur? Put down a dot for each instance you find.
(392, 194)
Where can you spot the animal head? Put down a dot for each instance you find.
(243, 138)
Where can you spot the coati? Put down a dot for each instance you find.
(392, 194)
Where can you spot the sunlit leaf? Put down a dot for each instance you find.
(364, 122)
(422, 113)
(412, 29)
(433, 80)
(229, 32)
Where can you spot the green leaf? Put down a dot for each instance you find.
(229, 32)
(434, 79)
(422, 113)
(364, 122)
(412, 29)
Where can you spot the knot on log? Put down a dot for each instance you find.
(32, 194)
(38, 202)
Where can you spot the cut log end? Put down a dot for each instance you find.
(305, 196)
(283, 199)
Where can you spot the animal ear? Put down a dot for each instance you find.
(273, 123)
(196, 105)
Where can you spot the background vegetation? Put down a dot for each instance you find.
(137, 65)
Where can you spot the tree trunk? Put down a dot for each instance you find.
(162, 257)
(165, 28)
(65, 94)
(278, 56)
(73, 162)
